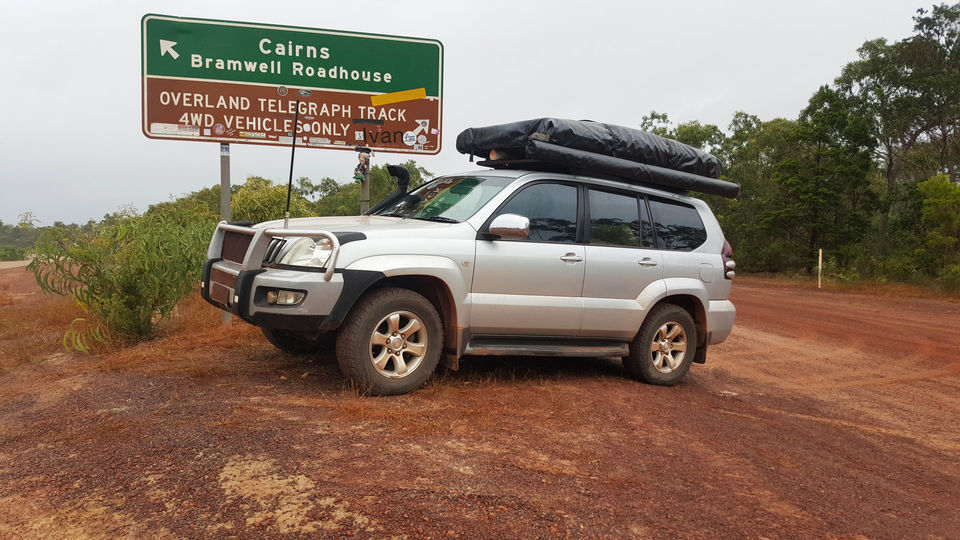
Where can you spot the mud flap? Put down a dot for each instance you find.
(701, 356)
(450, 360)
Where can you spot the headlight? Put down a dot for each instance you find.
(308, 252)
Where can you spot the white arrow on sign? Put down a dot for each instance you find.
(422, 125)
(167, 47)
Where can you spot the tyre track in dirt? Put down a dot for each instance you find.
(891, 363)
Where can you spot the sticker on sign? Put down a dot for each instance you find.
(179, 130)
(254, 83)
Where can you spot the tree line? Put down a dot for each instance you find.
(869, 171)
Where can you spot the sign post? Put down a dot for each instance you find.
(208, 80)
(225, 199)
(819, 267)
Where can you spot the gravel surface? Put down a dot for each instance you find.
(825, 414)
(12, 264)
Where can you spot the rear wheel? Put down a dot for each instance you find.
(665, 346)
(294, 343)
(391, 341)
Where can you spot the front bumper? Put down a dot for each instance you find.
(236, 278)
(325, 304)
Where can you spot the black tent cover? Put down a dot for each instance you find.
(592, 147)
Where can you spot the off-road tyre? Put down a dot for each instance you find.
(655, 355)
(294, 343)
(390, 342)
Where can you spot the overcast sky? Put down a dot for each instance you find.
(71, 146)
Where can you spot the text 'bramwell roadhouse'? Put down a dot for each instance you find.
(267, 47)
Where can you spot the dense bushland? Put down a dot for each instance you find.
(869, 171)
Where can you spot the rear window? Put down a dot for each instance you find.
(678, 225)
(617, 219)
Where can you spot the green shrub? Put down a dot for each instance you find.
(129, 271)
(832, 269)
(950, 279)
(779, 256)
(260, 200)
(901, 267)
(9, 253)
(941, 216)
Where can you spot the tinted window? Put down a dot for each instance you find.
(615, 220)
(552, 210)
(678, 225)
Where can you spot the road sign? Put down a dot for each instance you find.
(236, 82)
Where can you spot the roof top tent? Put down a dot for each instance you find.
(594, 148)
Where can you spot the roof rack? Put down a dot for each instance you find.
(526, 165)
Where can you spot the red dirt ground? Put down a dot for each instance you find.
(825, 414)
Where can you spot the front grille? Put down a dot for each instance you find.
(235, 246)
(273, 250)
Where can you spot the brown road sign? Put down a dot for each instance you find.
(229, 82)
(216, 111)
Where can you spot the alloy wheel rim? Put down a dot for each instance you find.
(398, 344)
(669, 347)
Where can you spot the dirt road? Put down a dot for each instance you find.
(12, 264)
(824, 414)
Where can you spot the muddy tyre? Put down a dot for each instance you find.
(293, 343)
(390, 342)
(664, 348)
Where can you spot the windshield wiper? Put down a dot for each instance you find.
(438, 219)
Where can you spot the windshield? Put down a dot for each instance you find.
(449, 199)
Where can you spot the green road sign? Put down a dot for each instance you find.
(224, 81)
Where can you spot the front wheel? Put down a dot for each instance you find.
(391, 342)
(664, 348)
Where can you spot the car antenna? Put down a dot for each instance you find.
(293, 148)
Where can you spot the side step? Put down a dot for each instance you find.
(544, 347)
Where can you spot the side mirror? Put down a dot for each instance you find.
(510, 226)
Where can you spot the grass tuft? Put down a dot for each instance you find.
(31, 327)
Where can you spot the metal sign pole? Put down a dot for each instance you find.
(225, 199)
(365, 192)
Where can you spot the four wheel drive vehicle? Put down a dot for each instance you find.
(518, 259)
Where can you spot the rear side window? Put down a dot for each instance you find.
(678, 225)
(617, 219)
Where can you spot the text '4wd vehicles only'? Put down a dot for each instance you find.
(578, 241)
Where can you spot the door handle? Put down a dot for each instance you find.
(647, 261)
(571, 257)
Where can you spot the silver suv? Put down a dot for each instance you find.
(490, 262)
